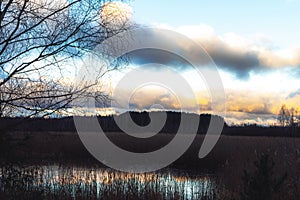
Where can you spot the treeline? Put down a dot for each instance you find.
(173, 120)
(256, 130)
(107, 123)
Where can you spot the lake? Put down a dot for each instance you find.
(71, 182)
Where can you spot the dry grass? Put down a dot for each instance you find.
(228, 159)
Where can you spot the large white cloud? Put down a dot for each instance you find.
(232, 52)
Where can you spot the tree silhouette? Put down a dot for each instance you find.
(284, 116)
(39, 38)
(288, 117)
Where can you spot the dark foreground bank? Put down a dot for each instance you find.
(231, 158)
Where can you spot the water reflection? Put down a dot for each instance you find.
(99, 183)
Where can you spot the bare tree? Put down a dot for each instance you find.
(284, 116)
(39, 38)
(293, 117)
(288, 117)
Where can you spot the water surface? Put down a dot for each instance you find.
(102, 183)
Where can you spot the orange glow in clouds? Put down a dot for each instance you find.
(116, 15)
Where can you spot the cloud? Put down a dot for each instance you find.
(252, 102)
(279, 58)
(231, 52)
(147, 97)
(236, 101)
(162, 57)
(245, 118)
(241, 106)
(294, 94)
(271, 73)
(240, 52)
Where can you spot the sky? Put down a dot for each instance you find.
(276, 19)
(255, 45)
